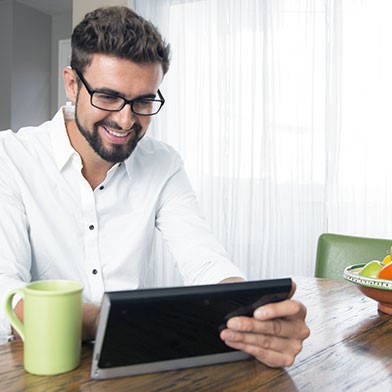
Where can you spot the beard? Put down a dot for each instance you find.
(117, 152)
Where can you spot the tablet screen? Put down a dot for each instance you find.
(156, 325)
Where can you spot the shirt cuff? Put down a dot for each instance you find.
(215, 272)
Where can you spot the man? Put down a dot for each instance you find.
(81, 197)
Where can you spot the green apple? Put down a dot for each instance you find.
(371, 269)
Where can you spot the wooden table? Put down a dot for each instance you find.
(350, 349)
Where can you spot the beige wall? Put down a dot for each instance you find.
(80, 8)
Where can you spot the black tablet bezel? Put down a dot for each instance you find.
(185, 321)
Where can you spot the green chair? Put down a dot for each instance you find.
(335, 252)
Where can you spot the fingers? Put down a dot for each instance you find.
(287, 309)
(274, 335)
(273, 350)
(272, 358)
(293, 288)
(282, 327)
(268, 342)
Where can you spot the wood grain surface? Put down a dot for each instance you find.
(350, 349)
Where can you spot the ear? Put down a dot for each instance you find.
(70, 83)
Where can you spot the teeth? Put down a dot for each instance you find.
(118, 134)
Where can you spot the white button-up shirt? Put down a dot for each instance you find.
(54, 226)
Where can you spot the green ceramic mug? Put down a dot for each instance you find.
(52, 325)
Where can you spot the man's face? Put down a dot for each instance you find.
(114, 135)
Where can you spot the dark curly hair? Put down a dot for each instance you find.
(120, 32)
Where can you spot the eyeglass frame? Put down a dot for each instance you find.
(129, 102)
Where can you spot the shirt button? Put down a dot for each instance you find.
(101, 187)
(94, 271)
(91, 227)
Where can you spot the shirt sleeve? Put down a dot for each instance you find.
(200, 257)
(15, 253)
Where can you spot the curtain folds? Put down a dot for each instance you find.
(279, 110)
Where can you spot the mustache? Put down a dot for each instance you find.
(111, 124)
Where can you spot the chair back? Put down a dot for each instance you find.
(336, 251)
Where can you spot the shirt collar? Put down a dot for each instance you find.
(130, 162)
(62, 148)
(137, 155)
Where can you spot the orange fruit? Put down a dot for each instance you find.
(386, 272)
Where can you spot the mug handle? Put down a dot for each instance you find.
(15, 322)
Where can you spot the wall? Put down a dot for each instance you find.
(80, 8)
(25, 65)
(5, 63)
(61, 29)
(29, 59)
(62, 26)
(31, 66)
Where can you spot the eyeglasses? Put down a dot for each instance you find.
(112, 102)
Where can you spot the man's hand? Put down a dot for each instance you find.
(274, 334)
(90, 321)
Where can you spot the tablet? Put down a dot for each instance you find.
(152, 330)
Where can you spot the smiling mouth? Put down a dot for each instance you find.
(116, 133)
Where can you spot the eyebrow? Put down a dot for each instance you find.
(117, 94)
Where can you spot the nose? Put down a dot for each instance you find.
(125, 118)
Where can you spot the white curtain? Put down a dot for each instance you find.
(280, 110)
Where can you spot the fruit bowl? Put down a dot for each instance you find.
(378, 289)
